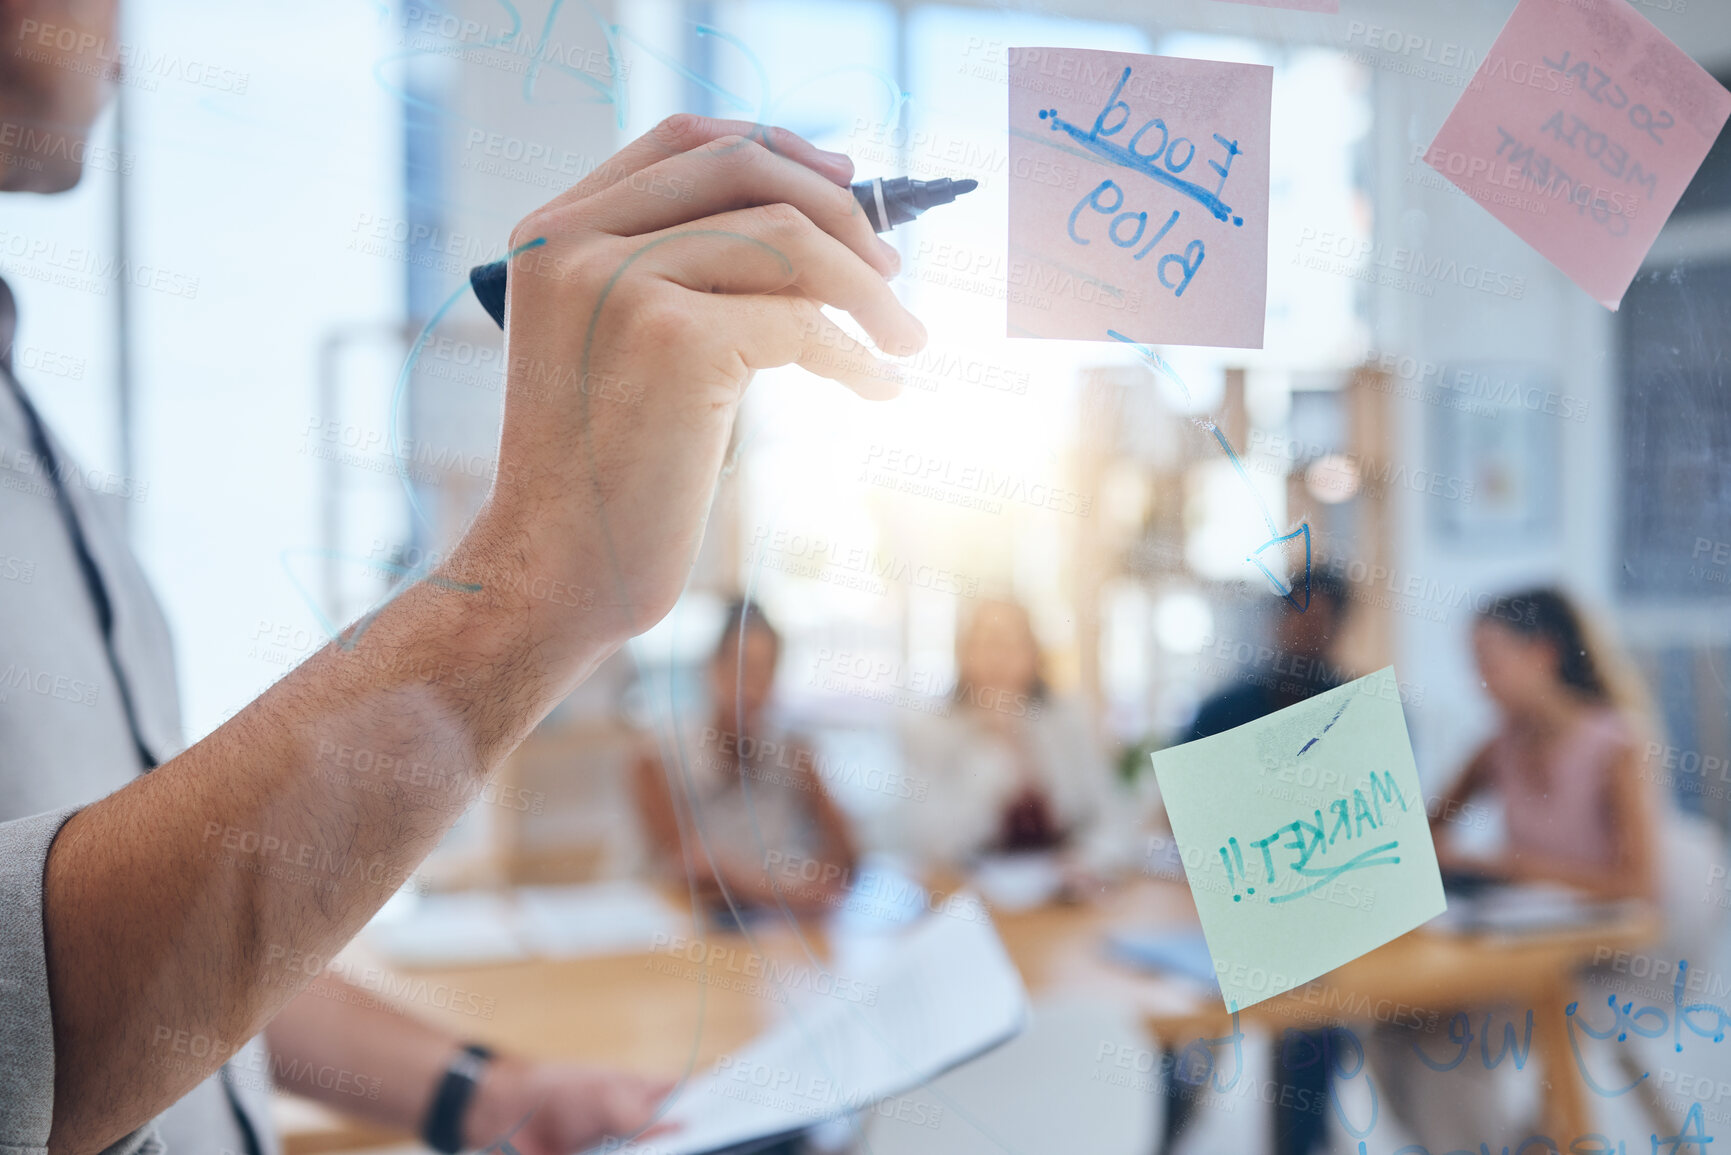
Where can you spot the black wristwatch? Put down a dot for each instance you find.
(443, 1130)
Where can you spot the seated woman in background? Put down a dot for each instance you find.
(1564, 762)
(739, 808)
(1013, 768)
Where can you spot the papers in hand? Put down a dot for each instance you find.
(947, 994)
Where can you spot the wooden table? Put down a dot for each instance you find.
(648, 1013)
(1428, 972)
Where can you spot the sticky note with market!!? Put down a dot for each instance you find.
(1580, 131)
(1310, 834)
(1138, 198)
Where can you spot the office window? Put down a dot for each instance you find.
(1676, 434)
(273, 198)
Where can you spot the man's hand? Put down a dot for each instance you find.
(634, 322)
(568, 1107)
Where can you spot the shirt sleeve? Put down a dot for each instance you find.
(26, 1026)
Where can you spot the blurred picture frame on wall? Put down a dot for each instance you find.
(1494, 437)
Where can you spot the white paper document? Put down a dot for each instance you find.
(946, 993)
(555, 922)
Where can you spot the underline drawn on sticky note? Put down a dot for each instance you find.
(1138, 198)
(1312, 835)
(1325, 729)
(1580, 131)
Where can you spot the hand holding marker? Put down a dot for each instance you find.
(887, 203)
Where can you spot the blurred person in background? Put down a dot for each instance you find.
(1563, 764)
(1302, 664)
(1304, 661)
(738, 807)
(1013, 767)
(1563, 761)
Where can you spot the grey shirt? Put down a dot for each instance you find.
(77, 724)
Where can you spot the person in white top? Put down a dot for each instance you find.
(736, 805)
(1013, 767)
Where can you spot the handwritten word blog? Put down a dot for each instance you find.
(1165, 162)
(1351, 814)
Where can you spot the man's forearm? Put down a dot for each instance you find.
(333, 1045)
(164, 902)
(169, 904)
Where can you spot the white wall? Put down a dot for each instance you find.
(1557, 326)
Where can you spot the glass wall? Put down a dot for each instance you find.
(268, 337)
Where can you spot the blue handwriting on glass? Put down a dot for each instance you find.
(1310, 840)
(1163, 165)
(1706, 1020)
(1461, 1034)
(1276, 539)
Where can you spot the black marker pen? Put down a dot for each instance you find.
(887, 203)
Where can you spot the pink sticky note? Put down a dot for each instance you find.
(1580, 132)
(1138, 198)
(1330, 6)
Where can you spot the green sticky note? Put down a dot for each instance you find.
(1304, 837)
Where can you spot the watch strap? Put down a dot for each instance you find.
(443, 1130)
